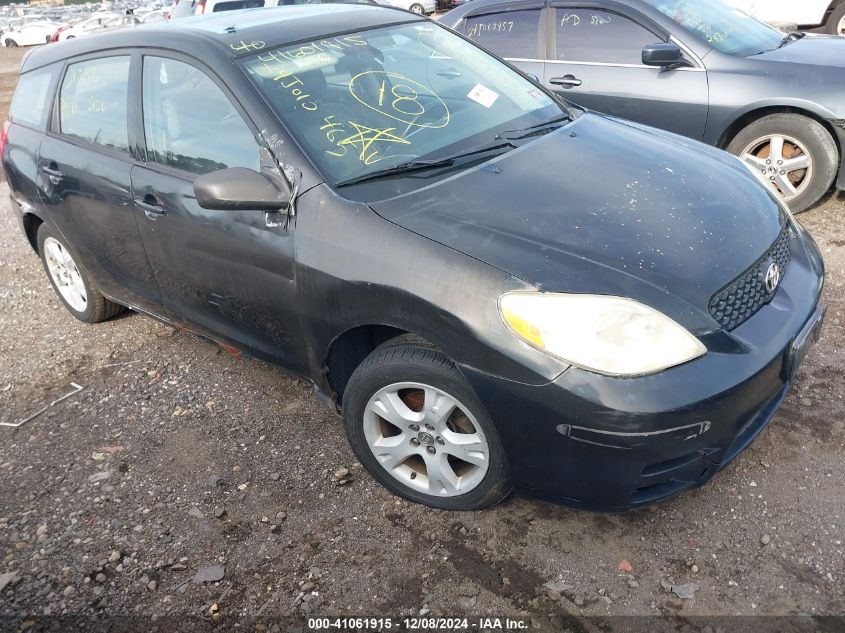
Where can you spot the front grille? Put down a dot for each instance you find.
(740, 300)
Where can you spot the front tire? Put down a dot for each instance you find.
(70, 280)
(417, 8)
(835, 24)
(793, 154)
(10, 43)
(417, 426)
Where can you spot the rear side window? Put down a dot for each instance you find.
(31, 103)
(511, 34)
(189, 123)
(93, 102)
(589, 35)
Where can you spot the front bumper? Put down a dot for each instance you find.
(604, 443)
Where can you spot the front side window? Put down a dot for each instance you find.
(30, 104)
(376, 99)
(512, 34)
(189, 123)
(93, 102)
(589, 35)
(727, 29)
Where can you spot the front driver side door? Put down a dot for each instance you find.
(595, 60)
(228, 273)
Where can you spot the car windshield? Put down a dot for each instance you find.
(727, 29)
(370, 101)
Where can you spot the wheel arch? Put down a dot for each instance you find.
(31, 224)
(760, 111)
(349, 349)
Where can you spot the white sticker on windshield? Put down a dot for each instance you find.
(483, 95)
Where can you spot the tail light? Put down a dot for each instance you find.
(199, 7)
(3, 137)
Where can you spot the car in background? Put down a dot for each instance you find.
(30, 34)
(96, 23)
(494, 288)
(694, 67)
(156, 15)
(827, 14)
(186, 8)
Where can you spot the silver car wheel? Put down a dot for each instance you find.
(782, 162)
(840, 28)
(426, 439)
(417, 8)
(65, 275)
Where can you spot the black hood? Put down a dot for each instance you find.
(605, 207)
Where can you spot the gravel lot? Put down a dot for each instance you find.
(177, 457)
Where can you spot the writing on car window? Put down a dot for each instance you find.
(386, 96)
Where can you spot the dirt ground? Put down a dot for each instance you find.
(177, 457)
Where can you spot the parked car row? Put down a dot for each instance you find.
(33, 29)
(497, 288)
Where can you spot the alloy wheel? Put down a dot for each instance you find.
(426, 439)
(840, 27)
(65, 274)
(782, 162)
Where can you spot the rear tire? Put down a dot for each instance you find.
(437, 421)
(70, 281)
(794, 154)
(835, 24)
(10, 43)
(417, 8)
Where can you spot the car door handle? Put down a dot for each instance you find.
(53, 173)
(150, 205)
(567, 81)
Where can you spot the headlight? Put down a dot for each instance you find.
(608, 335)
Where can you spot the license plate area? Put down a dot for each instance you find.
(805, 340)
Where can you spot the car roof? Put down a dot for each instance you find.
(231, 33)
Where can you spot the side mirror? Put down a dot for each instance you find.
(239, 188)
(664, 54)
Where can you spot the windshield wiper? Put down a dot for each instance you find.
(418, 165)
(534, 129)
(792, 36)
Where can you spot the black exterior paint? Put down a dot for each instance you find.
(705, 102)
(568, 211)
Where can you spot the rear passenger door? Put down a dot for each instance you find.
(595, 60)
(515, 35)
(84, 181)
(225, 272)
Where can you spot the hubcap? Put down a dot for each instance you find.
(840, 28)
(782, 163)
(426, 439)
(416, 9)
(65, 275)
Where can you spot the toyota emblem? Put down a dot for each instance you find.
(772, 278)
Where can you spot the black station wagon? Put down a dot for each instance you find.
(497, 290)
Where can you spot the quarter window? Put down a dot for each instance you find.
(588, 35)
(32, 96)
(511, 35)
(93, 102)
(189, 123)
